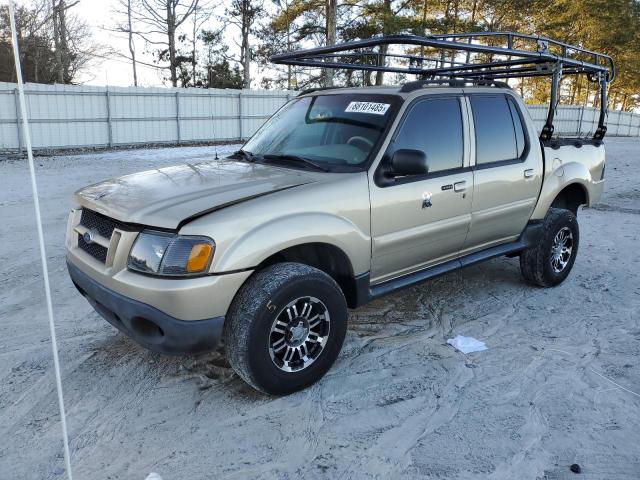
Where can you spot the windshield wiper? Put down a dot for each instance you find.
(297, 158)
(248, 156)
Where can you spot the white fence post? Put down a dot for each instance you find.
(580, 120)
(109, 125)
(240, 132)
(178, 114)
(17, 102)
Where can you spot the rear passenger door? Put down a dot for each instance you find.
(507, 172)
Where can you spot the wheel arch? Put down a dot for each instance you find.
(326, 257)
(571, 197)
(558, 191)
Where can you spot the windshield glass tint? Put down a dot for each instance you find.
(339, 130)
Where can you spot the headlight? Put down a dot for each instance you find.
(160, 253)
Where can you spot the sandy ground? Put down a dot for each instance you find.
(399, 403)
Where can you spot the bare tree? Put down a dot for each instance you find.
(201, 15)
(163, 18)
(279, 34)
(331, 17)
(48, 55)
(243, 14)
(36, 49)
(125, 9)
(73, 41)
(61, 38)
(132, 48)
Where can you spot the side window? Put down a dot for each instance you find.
(517, 125)
(435, 127)
(494, 126)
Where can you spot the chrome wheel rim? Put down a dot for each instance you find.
(299, 334)
(561, 249)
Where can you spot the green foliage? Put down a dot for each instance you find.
(262, 28)
(37, 52)
(217, 71)
(36, 48)
(607, 26)
(222, 75)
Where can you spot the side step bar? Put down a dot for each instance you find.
(414, 278)
(527, 238)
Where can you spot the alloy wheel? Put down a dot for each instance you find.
(561, 249)
(299, 333)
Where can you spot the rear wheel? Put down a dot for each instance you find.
(549, 262)
(285, 328)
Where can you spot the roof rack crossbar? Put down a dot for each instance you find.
(504, 55)
(319, 55)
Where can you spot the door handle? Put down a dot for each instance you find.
(460, 186)
(528, 173)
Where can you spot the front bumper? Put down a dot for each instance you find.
(147, 325)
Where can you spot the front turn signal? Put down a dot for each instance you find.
(199, 257)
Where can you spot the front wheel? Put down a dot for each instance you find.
(549, 262)
(285, 327)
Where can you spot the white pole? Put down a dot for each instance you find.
(43, 257)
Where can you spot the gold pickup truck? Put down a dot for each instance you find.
(343, 196)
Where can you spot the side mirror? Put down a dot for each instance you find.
(409, 162)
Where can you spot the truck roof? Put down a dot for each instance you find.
(400, 90)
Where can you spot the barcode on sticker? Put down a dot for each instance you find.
(368, 107)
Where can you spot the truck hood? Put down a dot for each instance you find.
(166, 197)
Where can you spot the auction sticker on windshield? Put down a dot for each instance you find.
(368, 107)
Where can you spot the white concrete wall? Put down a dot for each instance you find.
(65, 116)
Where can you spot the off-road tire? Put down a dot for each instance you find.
(535, 262)
(257, 305)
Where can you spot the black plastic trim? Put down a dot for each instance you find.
(419, 178)
(577, 142)
(498, 163)
(362, 282)
(145, 324)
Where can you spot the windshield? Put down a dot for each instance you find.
(331, 130)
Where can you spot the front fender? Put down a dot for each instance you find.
(264, 240)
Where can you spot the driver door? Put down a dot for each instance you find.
(422, 220)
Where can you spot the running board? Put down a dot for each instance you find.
(411, 279)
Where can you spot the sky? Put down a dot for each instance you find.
(116, 71)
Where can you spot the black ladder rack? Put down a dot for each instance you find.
(490, 57)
